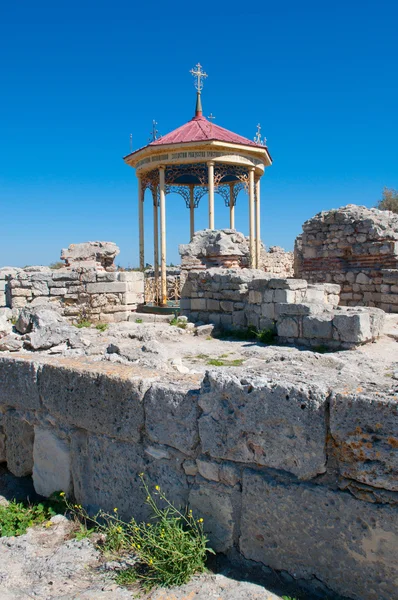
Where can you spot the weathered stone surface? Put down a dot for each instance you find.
(94, 401)
(10, 343)
(19, 443)
(18, 383)
(51, 463)
(365, 434)
(275, 423)
(103, 253)
(43, 338)
(349, 545)
(318, 326)
(353, 327)
(106, 474)
(36, 318)
(171, 413)
(215, 504)
(5, 325)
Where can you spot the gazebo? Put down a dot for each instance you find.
(196, 159)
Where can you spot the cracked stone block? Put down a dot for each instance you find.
(19, 383)
(171, 414)
(365, 435)
(353, 327)
(19, 444)
(318, 326)
(99, 402)
(287, 327)
(278, 424)
(313, 531)
(51, 463)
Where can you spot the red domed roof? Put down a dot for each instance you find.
(199, 129)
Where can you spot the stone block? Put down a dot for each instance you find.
(58, 291)
(106, 287)
(226, 321)
(130, 276)
(198, 304)
(390, 298)
(171, 414)
(24, 292)
(318, 326)
(352, 327)
(278, 424)
(239, 319)
(285, 296)
(287, 327)
(215, 504)
(208, 470)
(289, 284)
(51, 463)
(365, 434)
(106, 475)
(65, 275)
(40, 288)
(227, 306)
(93, 400)
(268, 295)
(18, 383)
(313, 531)
(268, 310)
(255, 297)
(299, 309)
(213, 305)
(19, 443)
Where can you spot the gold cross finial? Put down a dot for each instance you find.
(199, 76)
(258, 138)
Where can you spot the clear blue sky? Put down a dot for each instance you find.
(76, 78)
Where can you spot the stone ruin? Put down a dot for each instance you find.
(355, 247)
(88, 287)
(229, 249)
(95, 255)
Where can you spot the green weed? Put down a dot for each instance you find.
(16, 517)
(102, 327)
(139, 321)
(83, 323)
(220, 362)
(171, 548)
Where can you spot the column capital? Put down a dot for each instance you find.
(251, 169)
(210, 163)
(162, 167)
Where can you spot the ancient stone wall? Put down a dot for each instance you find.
(299, 313)
(230, 249)
(293, 468)
(357, 248)
(81, 292)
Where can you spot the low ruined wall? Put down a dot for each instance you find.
(295, 474)
(357, 248)
(298, 312)
(82, 292)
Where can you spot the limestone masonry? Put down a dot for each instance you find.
(299, 313)
(357, 248)
(292, 461)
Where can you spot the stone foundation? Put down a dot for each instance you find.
(299, 313)
(291, 469)
(355, 247)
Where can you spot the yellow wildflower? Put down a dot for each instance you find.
(157, 487)
(115, 510)
(200, 520)
(62, 494)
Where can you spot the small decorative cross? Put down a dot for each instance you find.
(199, 75)
(258, 137)
(211, 117)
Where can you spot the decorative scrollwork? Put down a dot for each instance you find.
(225, 192)
(152, 289)
(198, 193)
(199, 170)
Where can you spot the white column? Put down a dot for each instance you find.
(156, 241)
(251, 218)
(191, 210)
(163, 277)
(231, 206)
(141, 222)
(258, 234)
(210, 166)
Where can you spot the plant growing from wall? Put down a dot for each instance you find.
(171, 548)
